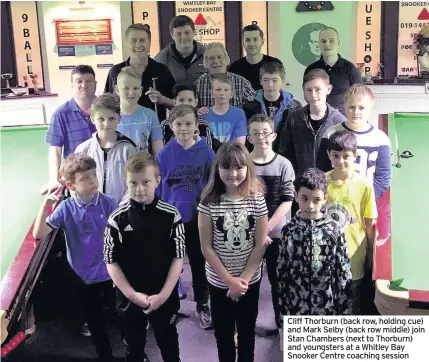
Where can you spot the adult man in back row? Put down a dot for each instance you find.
(250, 65)
(216, 60)
(184, 56)
(342, 73)
(138, 40)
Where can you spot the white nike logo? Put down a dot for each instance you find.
(128, 228)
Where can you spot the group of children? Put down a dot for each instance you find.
(136, 204)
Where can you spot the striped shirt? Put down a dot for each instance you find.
(243, 91)
(234, 224)
(278, 176)
(144, 239)
(69, 127)
(373, 155)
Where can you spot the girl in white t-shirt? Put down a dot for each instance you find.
(232, 223)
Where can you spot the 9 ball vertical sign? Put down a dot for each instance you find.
(26, 39)
(412, 17)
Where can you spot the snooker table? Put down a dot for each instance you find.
(401, 264)
(24, 168)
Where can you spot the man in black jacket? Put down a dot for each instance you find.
(272, 100)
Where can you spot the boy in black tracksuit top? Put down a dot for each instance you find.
(144, 249)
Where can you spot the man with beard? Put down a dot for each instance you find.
(250, 65)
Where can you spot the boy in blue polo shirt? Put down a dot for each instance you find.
(83, 217)
(70, 124)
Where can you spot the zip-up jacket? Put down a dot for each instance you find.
(299, 143)
(257, 106)
(168, 57)
(313, 268)
(120, 152)
(144, 239)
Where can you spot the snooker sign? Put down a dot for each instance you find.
(208, 17)
(412, 17)
(368, 35)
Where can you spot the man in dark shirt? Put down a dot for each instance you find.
(250, 65)
(342, 73)
(138, 37)
(184, 56)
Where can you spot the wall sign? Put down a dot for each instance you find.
(412, 17)
(94, 31)
(305, 43)
(26, 37)
(103, 49)
(209, 19)
(146, 12)
(66, 51)
(66, 67)
(368, 35)
(105, 66)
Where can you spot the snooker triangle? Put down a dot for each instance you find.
(424, 14)
(200, 20)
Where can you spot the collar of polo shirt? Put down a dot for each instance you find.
(80, 203)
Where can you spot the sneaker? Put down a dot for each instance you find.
(84, 330)
(204, 316)
(182, 294)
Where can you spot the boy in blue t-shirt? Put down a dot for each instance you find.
(83, 217)
(139, 123)
(227, 123)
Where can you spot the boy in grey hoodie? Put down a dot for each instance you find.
(184, 56)
(303, 130)
(109, 148)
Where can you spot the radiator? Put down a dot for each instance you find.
(387, 101)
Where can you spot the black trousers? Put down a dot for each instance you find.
(226, 315)
(367, 292)
(271, 255)
(197, 263)
(133, 321)
(93, 298)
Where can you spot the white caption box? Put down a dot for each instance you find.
(356, 338)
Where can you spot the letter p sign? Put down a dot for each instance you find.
(145, 15)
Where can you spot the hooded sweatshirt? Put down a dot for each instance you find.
(184, 174)
(257, 106)
(313, 268)
(299, 143)
(112, 169)
(168, 57)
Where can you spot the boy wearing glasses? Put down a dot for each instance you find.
(278, 175)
